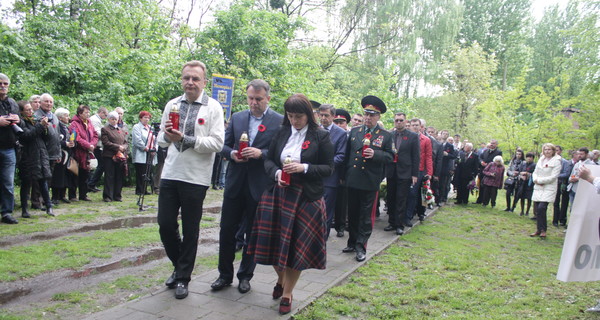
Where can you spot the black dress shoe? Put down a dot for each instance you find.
(399, 231)
(37, 207)
(348, 249)
(85, 199)
(93, 189)
(407, 223)
(55, 202)
(170, 283)
(50, 212)
(65, 200)
(181, 291)
(8, 219)
(421, 218)
(555, 224)
(220, 284)
(244, 286)
(25, 213)
(340, 234)
(73, 199)
(361, 256)
(389, 228)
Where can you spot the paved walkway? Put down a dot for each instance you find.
(202, 303)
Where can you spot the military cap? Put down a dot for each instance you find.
(341, 114)
(372, 104)
(315, 104)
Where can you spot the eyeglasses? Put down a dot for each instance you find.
(5, 83)
(398, 120)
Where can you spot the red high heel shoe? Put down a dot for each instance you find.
(285, 306)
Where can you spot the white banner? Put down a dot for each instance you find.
(580, 260)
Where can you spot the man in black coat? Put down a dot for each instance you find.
(9, 117)
(466, 170)
(364, 171)
(246, 179)
(401, 173)
(486, 157)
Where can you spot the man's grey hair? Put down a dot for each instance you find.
(113, 115)
(45, 96)
(102, 110)
(259, 84)
(327, 107)
(34, 97)
(4, 77)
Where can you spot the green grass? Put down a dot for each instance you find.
(464, 263)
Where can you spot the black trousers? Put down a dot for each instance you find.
(444, 187)
(188, 197)
(489, 195)
(236, 212)
(140, 178)
(330, 198)
(26, 186)
(462, 191)
(397, 195)
(540, 209)
(114, 172)
(561, 204)
(95, 178)
(82, 180)
(361, 216)
(341, 208)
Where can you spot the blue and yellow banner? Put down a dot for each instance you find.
(222, 91)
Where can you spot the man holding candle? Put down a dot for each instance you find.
(369, 150)
(187, 170)
(246, 181)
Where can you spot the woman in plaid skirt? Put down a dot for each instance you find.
(290, 224)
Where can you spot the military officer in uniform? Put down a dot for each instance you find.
(364, 172)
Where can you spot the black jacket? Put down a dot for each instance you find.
(409, 156)
(251, 172)
(366, 174)
(318, 154)
(8, 138)
(34, 163)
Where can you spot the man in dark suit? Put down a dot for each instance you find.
(466, 170)
(338, 138)
(401, 174)
(486, 157)
(364, 173)
(449, 154)
(342, 118)
(246, 179)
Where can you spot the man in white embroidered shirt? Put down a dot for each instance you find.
(187, 171)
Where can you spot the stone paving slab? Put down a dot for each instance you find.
(202, 303)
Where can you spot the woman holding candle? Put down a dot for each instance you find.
(290, 224)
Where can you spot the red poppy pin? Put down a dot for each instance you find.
(305, 145)
(404, 138)
(261, 128)
(368, 136)
(546, 166)
(200, 121)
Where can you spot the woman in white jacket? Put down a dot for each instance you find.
(545, 187)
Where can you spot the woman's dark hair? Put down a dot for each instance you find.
(299, 103)
(82, 108)
(522, 154)
(22, 104)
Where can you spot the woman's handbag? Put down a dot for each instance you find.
(509, 182)
(73, 166)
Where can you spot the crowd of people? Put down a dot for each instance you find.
(290, 178)
(61, 158)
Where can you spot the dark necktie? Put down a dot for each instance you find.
(398, 140)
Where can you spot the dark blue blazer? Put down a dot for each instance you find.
(339, 139)
(253, 171)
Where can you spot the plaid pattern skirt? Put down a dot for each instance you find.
(289, 231)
